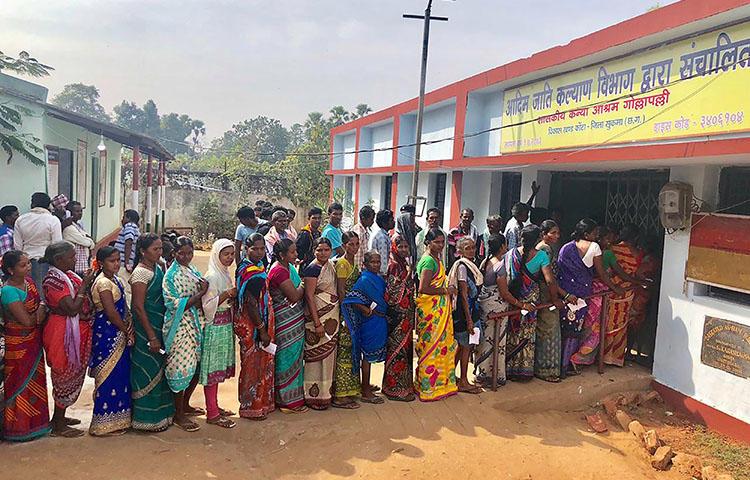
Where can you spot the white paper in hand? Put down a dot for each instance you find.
(474, 337)
(271, 348)
(373, 306)
(552, 308)
(524, 312)
(578, 305)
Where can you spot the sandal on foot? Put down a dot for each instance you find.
(69, 421)
(301, 409)
(346, 405)
(67, 432)
(474, 389)
(226, 413)
(194, 412)
(318, 408)
(223, 422)
(188, 425)
(374, 400)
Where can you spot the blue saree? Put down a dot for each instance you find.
(110, 368)
(369, 334)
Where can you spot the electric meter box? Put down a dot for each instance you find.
(675, 205)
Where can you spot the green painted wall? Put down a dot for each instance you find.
(20, 178)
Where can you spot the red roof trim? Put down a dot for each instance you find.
(707, 148)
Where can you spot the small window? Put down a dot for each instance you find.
(385, 200)
(440, 182)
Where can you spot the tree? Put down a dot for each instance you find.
(175, 130)
(151, 120)
(11, 115)
(339, 116)
(361, 110)
(83, 99)
(131, 116)
(254, 138)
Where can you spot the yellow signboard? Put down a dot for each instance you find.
(694, 87)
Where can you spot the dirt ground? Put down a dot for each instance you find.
(524, 431)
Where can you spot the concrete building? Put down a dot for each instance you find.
(73, 163)
(602, 124)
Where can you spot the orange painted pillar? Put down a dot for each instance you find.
(456, 184)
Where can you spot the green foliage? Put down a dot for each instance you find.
(210, 221)
(731, 456)
(252, 137)
(299, 154)
(179, 133)
(11, 115)
(24, 64)
(82, 99)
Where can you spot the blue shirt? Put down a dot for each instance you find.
(381, 243)
(333, 234)
(129, 231)
(243, 231)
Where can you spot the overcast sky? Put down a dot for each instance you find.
(224, 61)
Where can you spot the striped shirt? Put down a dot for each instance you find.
(129, 231)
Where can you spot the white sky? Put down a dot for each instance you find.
(224, 61)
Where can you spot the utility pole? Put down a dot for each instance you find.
(422, 81)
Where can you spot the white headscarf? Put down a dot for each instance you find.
(218, 278)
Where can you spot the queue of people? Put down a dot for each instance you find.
(311, 311)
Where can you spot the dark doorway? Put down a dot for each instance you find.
(615, 199)
(65, 172)
(510, 192)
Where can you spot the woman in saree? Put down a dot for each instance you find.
(67, 333)
(466, 278)
(254, 327)
(548, 340)
(398, 376)
(183, 331)
(346, 386)
(321, 326)
(26, 416)
(526, 268)
(217, 346)
(285, 288)
(577, 262)
(629, 257)
(364, 310)
(153, 401)
(492, 304)
(435, 346)
(110, 355)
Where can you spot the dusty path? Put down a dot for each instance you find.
(518, 432)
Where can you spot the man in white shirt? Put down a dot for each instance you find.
(34, 231)
(81, 240)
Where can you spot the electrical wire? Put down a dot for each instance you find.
(717, 70)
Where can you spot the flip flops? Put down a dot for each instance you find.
(222, 422)
(346, 405)
(374, 400)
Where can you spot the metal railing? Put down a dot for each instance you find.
(602, 330)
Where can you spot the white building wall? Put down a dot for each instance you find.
(348, 146)
(382, 137)
(475, 193)
(438, 124)
(682, 312)
(404, 188)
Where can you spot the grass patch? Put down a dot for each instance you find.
(729, 456)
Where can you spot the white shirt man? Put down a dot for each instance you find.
(35, 231)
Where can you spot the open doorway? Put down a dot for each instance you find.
(616, 199)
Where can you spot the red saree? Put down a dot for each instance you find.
(26, 412)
